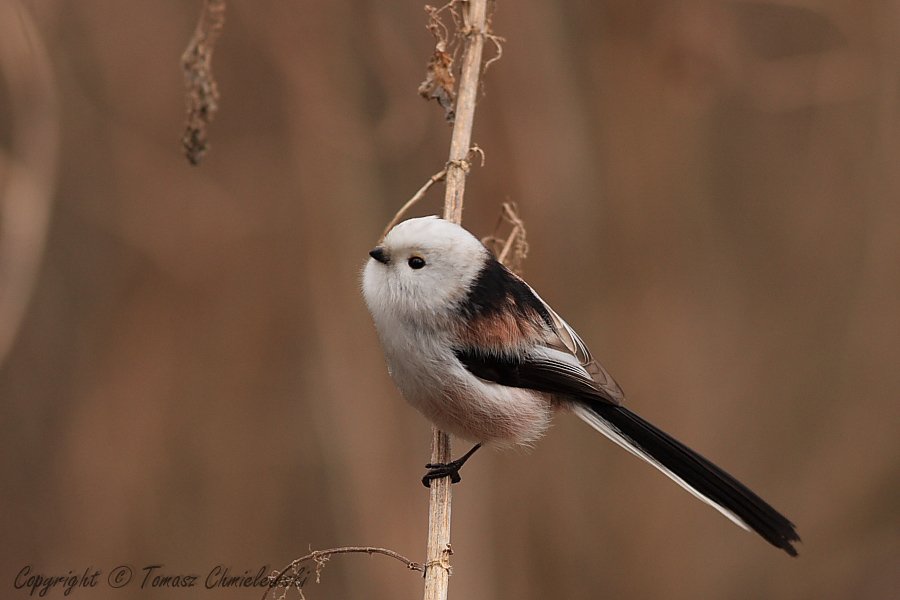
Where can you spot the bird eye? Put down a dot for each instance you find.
(416, 262)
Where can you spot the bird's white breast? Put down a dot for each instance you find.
(434, 382)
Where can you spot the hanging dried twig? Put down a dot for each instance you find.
(202, 92)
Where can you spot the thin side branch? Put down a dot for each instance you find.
(439, 176)
(280, 579)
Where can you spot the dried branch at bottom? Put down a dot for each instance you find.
(321, 557)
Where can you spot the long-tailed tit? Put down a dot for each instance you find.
(476, 350)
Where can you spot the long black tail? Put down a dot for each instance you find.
(690, 470)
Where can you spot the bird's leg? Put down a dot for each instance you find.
(450, 469)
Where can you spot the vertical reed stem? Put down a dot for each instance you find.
(437, 566)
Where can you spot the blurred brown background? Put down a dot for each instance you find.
(190, 377)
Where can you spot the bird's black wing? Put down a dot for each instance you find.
(540, 373)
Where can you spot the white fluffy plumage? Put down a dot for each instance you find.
(416, 316)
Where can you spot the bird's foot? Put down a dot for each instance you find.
(450, 469)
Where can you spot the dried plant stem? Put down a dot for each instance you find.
(437, 565)
(474, 19)
(437, 562)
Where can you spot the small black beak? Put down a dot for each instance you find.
(380, 254)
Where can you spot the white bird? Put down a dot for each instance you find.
(475, 349)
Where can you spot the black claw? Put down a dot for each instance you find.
(439, 470)
(450, 469)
